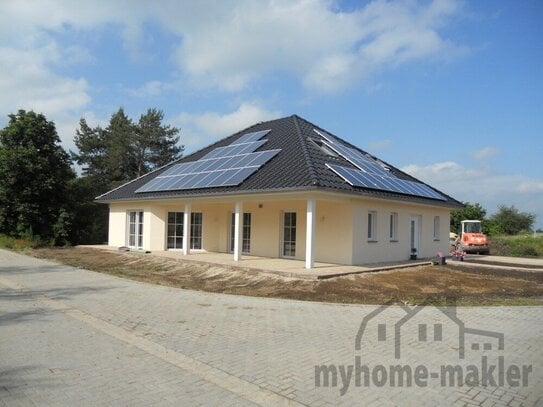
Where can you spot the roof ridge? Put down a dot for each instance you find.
(309, 162)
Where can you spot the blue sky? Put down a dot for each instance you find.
(450, 91)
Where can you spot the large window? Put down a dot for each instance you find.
(135, 229)
(175, 230)
(436, 227)
(289, 234)
(372, 220)
(393, 227)
(196, 230)
(246, 232)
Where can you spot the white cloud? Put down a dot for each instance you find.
(329, 50)
(150, 89)
(229, 44)
(485, 153)
(482, 185)
(31, 83)
(226, 45)
(204, 128)
(530, 186)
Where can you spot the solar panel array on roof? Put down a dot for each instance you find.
(370, 174)
(223, 166)
(358, 178)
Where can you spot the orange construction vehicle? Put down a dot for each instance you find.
(471, 239)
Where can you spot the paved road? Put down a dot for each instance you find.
(74, 337)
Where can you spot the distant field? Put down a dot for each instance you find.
(517, 246)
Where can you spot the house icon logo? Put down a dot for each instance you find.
(424, 338)
(394, 331)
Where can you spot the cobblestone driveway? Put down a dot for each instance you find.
(74, 337)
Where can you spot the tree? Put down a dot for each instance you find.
(156, 144)
(34, 175)
(509, 221)
(125, 150)
(469, 212)
(112, 156)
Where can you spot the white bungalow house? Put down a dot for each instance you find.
(282, 188)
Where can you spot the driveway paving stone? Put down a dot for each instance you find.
(75, 337)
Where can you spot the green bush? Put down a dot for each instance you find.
(517, 246)
(19, 244)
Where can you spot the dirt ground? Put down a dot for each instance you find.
(437, 285)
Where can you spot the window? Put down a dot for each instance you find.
(246, 245)
(196, 230)
(175, 230)
(393, 230)
(289, 234)
(135, 229)
(436, 227)
(372, 219)
(246, 239)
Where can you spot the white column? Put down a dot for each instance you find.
(310, 234)
(238, 225)
(186, 230)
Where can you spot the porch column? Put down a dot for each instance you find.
(186, 230)
(238, 224)
(310, 234)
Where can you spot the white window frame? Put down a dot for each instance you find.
(295, 241)
(246, 233)
(175, 236)
(138, 230)
(193, 225)
(372, 226)
(437, 227)
(393, 227)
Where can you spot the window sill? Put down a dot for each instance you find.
(372, 241)
(394, 241)
(437, 240)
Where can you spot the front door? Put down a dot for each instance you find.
(414, 235)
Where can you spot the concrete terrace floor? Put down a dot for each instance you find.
(285, 267)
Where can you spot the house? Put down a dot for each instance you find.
(282, 188)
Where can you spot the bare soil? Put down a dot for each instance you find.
(437, 285)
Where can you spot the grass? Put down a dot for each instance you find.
(18, 244)
(517, 246)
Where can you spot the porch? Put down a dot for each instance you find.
(284, 267)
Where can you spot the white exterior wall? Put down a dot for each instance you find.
(382, 249)
(154, 225)
(333, 232)
(340, 226)
(117, 225)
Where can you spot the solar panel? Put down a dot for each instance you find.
(357, 158)
(223, 166)
(211, 172)
(234, 149)
(370, 174)
(253, 136)
(358, 178)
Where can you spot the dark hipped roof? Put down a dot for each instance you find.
(300, 165)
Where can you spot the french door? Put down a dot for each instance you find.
(135, 229)
(288, 248)
(246, 235)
